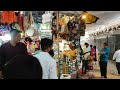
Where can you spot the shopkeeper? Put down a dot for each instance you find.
(13, 47)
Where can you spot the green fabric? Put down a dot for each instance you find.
(17, 26)
(37, 52)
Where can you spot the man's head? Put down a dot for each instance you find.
(28, 39)
(15, 35)
(86, 44)
(105, 45)
(95, 47)
(46, 44)
(51, 52)
(91, 46)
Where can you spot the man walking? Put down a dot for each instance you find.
(116, 57)
(47, 62)
(86, 52)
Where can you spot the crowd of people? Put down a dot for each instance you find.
(94, 57)
(15, 61)
(91, 57)
(41, 65)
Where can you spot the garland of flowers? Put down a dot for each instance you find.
(8, 17)
(4, 16)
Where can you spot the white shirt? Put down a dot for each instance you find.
(117, 56)
(97, 52)
(86, 50)
(48, 65)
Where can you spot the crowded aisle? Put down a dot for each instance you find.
(59, 45)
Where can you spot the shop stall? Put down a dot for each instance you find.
(25, 23)
(66, 32)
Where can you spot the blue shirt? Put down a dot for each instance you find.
(104, 57)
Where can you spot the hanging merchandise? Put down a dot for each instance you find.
(46, 18)
(81, 27)
(3, 28)
(29, 32)
(39, 29)
(54, 19)
(17, 26)
(54, 25)
(54, 31)
(72, 30)
(46, 31)
(21, 20)
(8, 17)
(37, 25)
(30, 18)
(8, 27)
(25, 23)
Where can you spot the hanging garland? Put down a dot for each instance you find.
(20, 21)
(110, 29)
(114, 28)
(4, 17)
(118, 27)
(25, 23)
(8, 17)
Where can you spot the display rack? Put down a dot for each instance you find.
(64, 64)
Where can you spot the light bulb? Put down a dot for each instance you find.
(7, 37)
(83, 17)
(21, 12)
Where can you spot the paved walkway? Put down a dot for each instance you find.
(112, 71)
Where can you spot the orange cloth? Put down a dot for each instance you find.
(8, 17)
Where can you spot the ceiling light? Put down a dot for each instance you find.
(83, 17)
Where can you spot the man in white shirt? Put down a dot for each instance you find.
(47, 62)
(116, 57)
(86, 52)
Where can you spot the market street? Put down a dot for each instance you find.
(112, 71)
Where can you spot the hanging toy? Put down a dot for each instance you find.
(17, 26)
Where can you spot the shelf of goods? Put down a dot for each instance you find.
(68, 62)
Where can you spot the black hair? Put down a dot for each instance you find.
(46, 43)
(105, 44)
(51, 52)
(86, 44)
(28, 39)
(14, 32)
(95, 47)
(91, 45)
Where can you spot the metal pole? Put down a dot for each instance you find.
(57, 30)
(57, 17)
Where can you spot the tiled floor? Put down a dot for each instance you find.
(111, 74)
